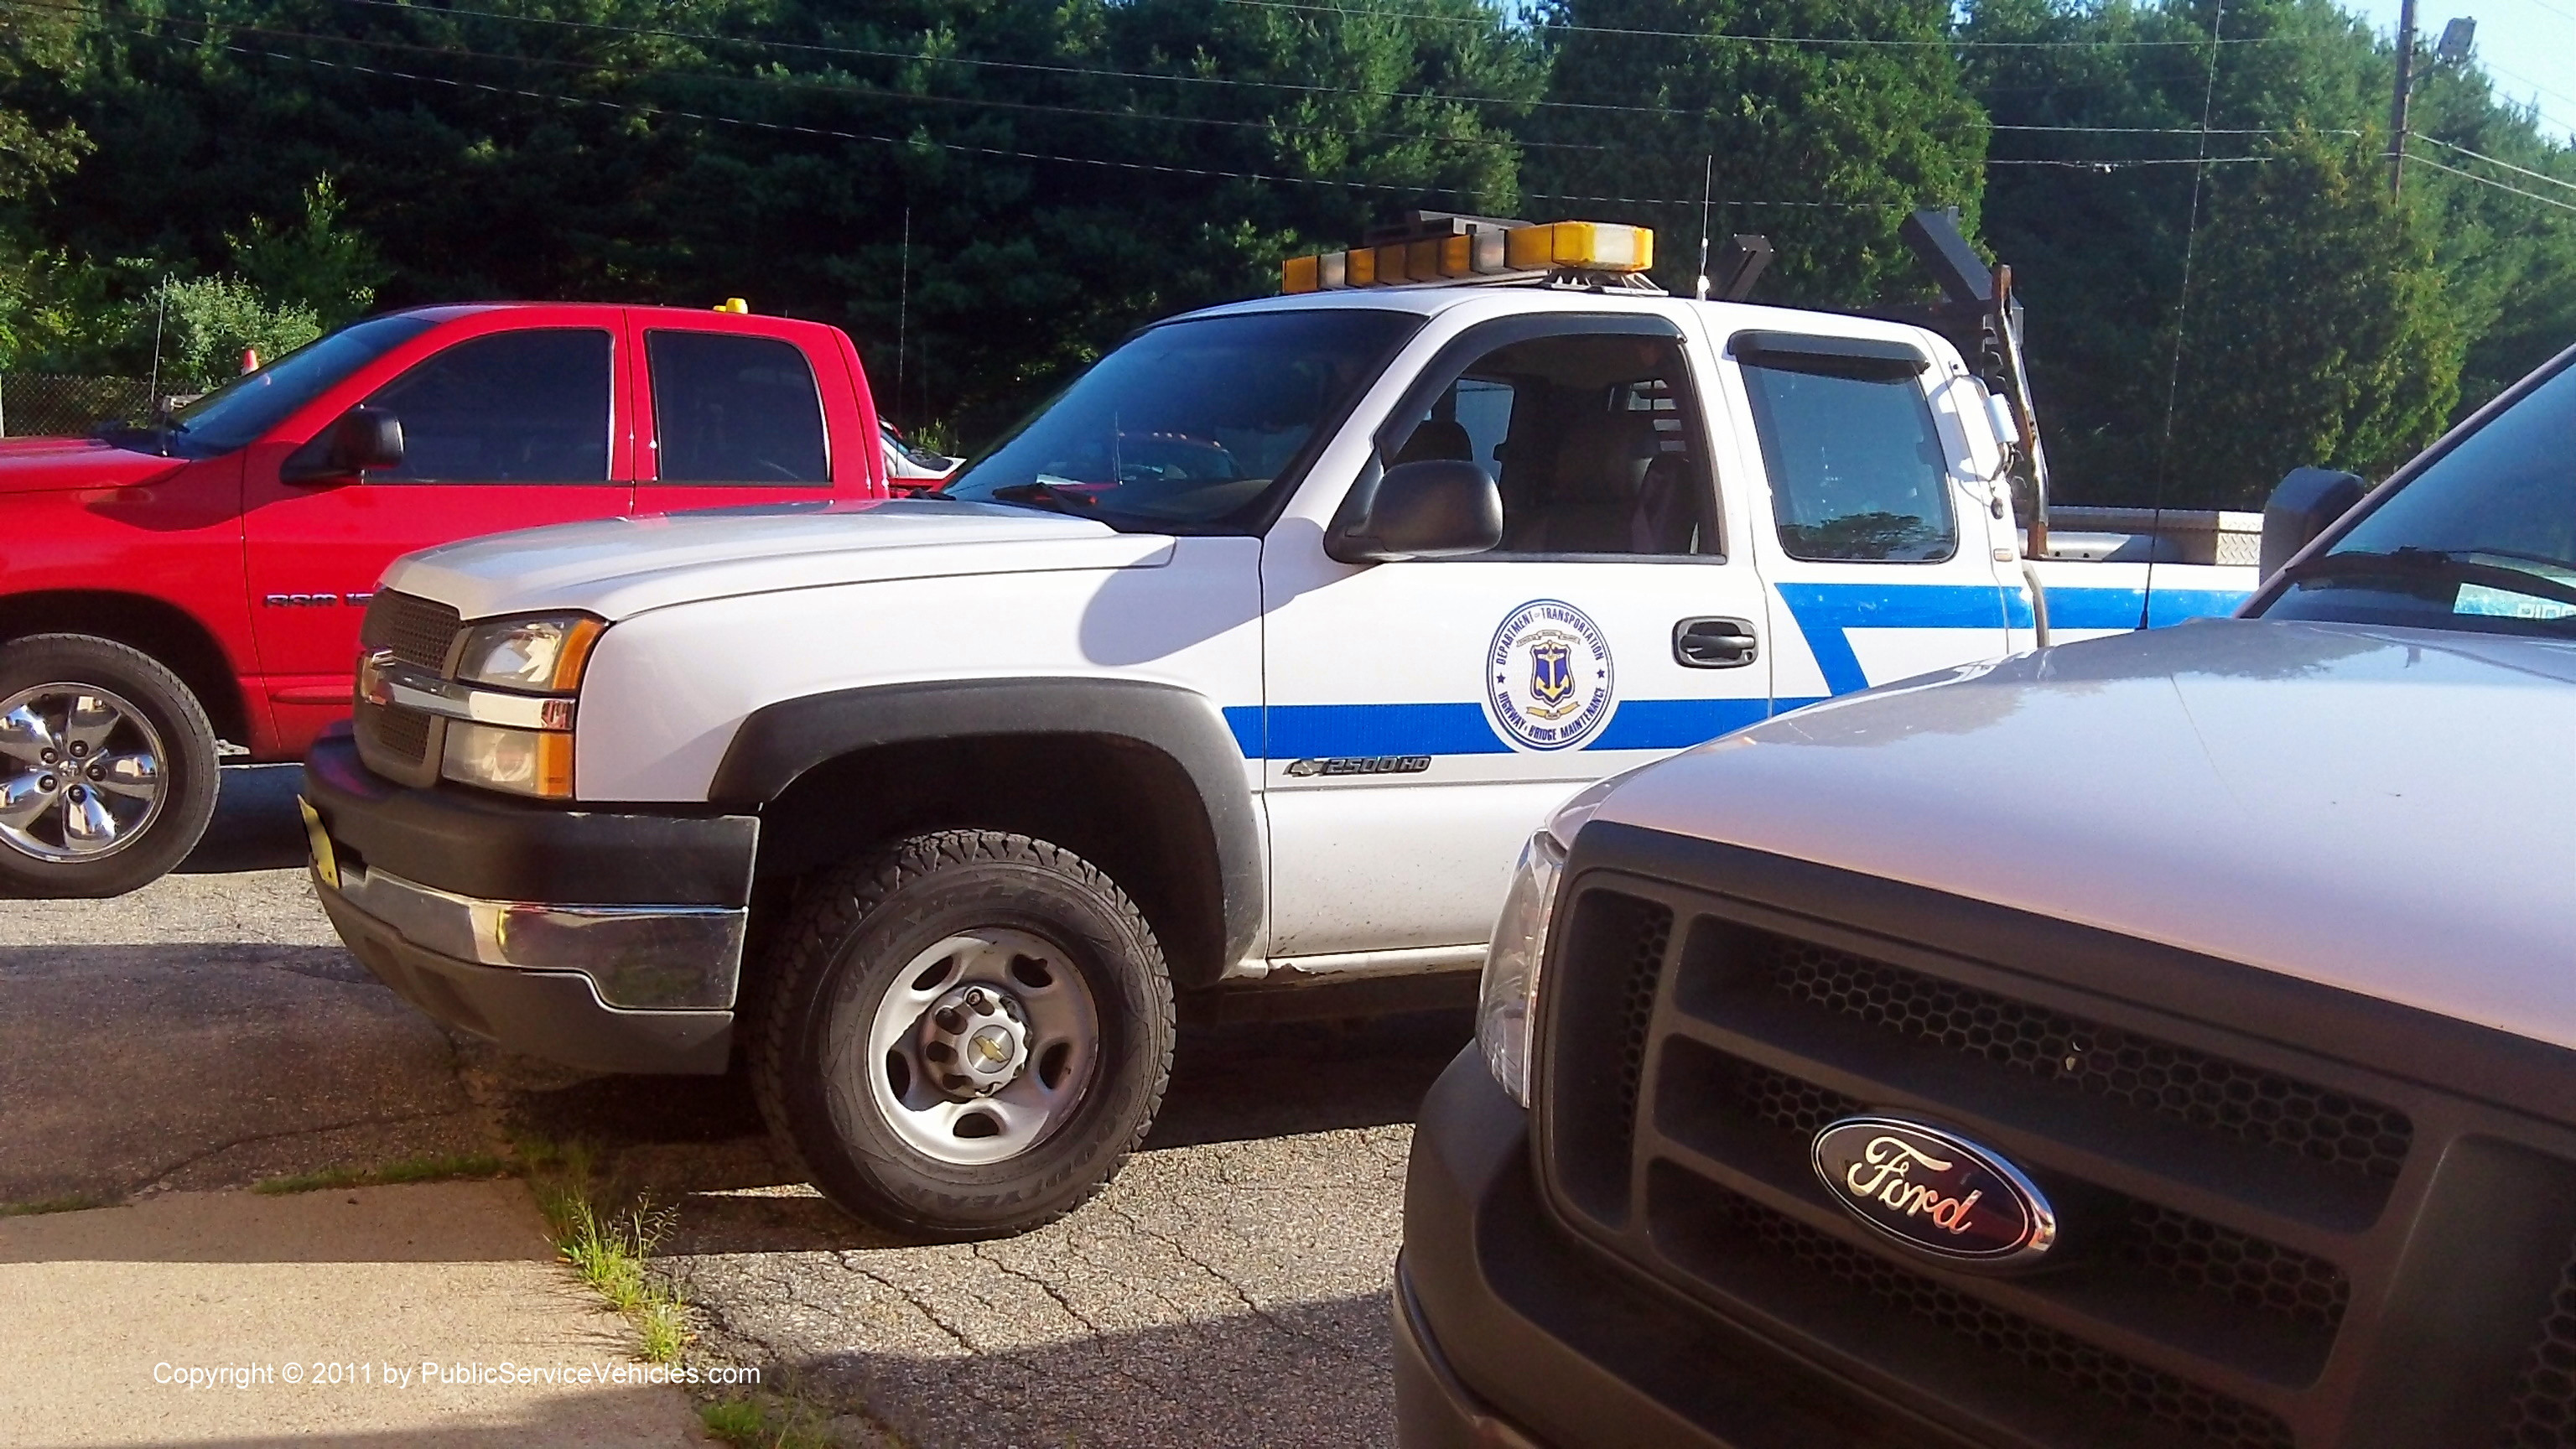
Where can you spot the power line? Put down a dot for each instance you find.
(840, 89)
(2123, 165)
(846, 89)
(2182, 303)
(2161, 130)
(1948, 42)
(2526, 80)
(914, 57)
(2498, 185)
(2554, 10)
(713, 118)
(2492, 161)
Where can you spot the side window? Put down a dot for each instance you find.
(1593, 439)
(519, 407)
(732, 409)
(1857, 467)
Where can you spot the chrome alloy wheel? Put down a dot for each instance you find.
(80, 772)
(982, 1047)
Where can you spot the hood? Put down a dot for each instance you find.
(2389, 811)
(620, 567)
(44, 465)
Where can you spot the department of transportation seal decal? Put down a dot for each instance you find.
(1548, 684)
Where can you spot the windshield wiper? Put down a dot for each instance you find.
(160, 431)
(2436, 566)
(1041, 494)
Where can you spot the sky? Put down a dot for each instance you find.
(2527, 46)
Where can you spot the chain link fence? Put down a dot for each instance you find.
(44, 404)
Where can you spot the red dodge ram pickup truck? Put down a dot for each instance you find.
(164, 587)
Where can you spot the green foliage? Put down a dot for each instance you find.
(1823, 148)
(763, 1423)
(989, 193)
(2320, 326)
(2342, 347)
(38, 48)
(442, 1167)
(316, 264)
(211, 322)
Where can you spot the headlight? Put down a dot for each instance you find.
(1507, 1000)
(543, 655)
(523, 762)
(530, 754)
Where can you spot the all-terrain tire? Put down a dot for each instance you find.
(36, 859)
(857, 939)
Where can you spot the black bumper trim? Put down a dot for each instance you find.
(475, 844)
(548, 1014)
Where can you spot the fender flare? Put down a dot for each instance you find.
(779, 742)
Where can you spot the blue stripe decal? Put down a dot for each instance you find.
(2173, 606)
(1350, 731)
(1245, 721)
(1824, 611)
(1674, 724)
(2118, 608)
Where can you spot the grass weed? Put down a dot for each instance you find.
(445, 1168)
(70, 1203)
(763, 1422)
(606, 1247)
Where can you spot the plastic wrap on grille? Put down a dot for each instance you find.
(2542, 1413)
(2221, 1421)
(2247, 1102)
(417, 630)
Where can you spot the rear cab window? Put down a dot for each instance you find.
(730, 408)
(1858, 471)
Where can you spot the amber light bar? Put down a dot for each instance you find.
(1578, 246)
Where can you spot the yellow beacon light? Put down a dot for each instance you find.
(1436, 247)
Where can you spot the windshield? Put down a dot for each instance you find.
(244, 409)
(2483, 539)
(1192, 424)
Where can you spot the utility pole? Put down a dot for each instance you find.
(2397, 106)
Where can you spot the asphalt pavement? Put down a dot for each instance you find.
(1229, 1288)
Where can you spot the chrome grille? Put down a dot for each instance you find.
(419, 631)
(399, 734)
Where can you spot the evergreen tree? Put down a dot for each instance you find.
(1824, 148)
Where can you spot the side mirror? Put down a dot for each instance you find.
(363, 438)
(2306, 504)
(1433, 508)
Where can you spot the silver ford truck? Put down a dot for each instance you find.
(2162, 1040)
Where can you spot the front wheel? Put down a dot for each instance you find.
(964, 1034)
(107, 767)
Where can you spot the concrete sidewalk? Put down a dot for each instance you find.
(292, 1313)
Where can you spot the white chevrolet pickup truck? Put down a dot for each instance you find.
(1246, 663)
(1831, 1094)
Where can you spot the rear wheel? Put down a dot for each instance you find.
(107, 767)
(964, 1034)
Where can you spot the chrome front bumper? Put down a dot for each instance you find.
(646, 958)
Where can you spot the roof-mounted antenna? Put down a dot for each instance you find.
(1707, 192)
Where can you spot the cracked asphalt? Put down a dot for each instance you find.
(1229, 1288)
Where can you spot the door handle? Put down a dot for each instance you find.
(1714, 643)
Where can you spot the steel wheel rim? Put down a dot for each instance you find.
(82, 772)
(1062, 1047)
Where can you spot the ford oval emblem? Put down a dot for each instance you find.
(1934, 1191)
